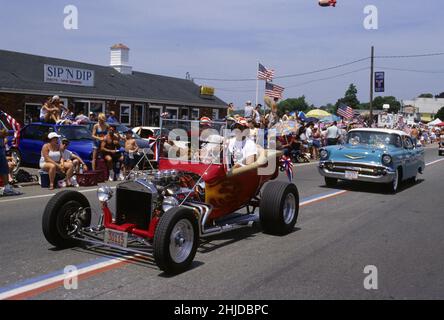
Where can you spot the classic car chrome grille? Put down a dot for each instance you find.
(366, 169)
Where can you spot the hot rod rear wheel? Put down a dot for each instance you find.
(176, 240)
(58, 215)
(279, 207)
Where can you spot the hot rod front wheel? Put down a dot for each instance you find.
(176, 240)
(279, 208)
(63, 216)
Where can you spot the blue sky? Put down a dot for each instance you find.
(225, 39)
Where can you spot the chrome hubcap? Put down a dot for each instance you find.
(289, 208)
(181, 241)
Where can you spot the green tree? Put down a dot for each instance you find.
(426, 95)
(441, 95)
(293, 104)
(440, 114)
(350, 98)
(379, 102)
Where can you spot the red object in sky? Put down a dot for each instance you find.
(327, 3)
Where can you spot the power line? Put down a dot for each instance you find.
(289, 75)
(303, 83)
(411, 70)
(411, 56)
(328, 68)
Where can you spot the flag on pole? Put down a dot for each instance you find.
(264, 73)
(15, 126)
(273, 90)
(345, 111)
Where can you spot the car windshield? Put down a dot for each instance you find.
(185, 140)
(74, 133)
(377, 139)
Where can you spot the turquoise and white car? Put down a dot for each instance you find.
(373, 155)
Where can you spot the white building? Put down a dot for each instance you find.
(426, 108)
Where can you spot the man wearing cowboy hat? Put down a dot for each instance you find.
(242, 151)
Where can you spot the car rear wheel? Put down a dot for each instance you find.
(279, 207)
(63, 216)
(176, 240)
(330, 182)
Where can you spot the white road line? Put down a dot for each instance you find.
(434, 162)
(45, 196)
(62, 277)
(322, 198)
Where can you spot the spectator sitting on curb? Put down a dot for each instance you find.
(77, 163)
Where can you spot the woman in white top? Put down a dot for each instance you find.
(51, 160)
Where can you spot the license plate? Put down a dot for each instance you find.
(351, 175)
(116, 238)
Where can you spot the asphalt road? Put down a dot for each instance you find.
(324, 258)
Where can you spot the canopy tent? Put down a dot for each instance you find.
(285, 127)
(318, 113)
(331, 118)
(434, 122)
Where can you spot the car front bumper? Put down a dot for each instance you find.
(376, 174)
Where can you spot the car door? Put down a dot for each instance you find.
(31, 143)
(409, 156)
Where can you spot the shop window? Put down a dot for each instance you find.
(125, 114)
(138, 115)
(154, 116)
(32, 112)
(195, 114)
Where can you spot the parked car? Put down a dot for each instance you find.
(147, 133)
(373, 155)
(164, 213)
(33, 137)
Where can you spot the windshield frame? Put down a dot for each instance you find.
(395, 139)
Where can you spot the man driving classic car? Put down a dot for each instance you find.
(242, 151)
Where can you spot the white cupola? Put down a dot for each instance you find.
(120, 59)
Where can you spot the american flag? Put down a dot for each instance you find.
(15, 126)
(345, 111)
(264, 73)
(286, 163)
(273, 90)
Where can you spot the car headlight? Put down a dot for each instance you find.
(104, 194)
(386, 159)
(324, 154)
(169, 203)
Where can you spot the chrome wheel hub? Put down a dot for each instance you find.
(289, 208)
(181, 241)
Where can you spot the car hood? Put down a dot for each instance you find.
(358, 153)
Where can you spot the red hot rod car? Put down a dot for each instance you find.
(164, 213)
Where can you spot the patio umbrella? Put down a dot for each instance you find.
(318, 113)
(440, 124)
(285, 127)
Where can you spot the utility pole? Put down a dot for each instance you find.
(372, 74)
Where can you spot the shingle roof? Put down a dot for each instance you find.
(20, 72)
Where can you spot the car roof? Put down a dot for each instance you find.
(53, 124)
(389, 131)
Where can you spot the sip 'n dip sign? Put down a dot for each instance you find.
(69, 76)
